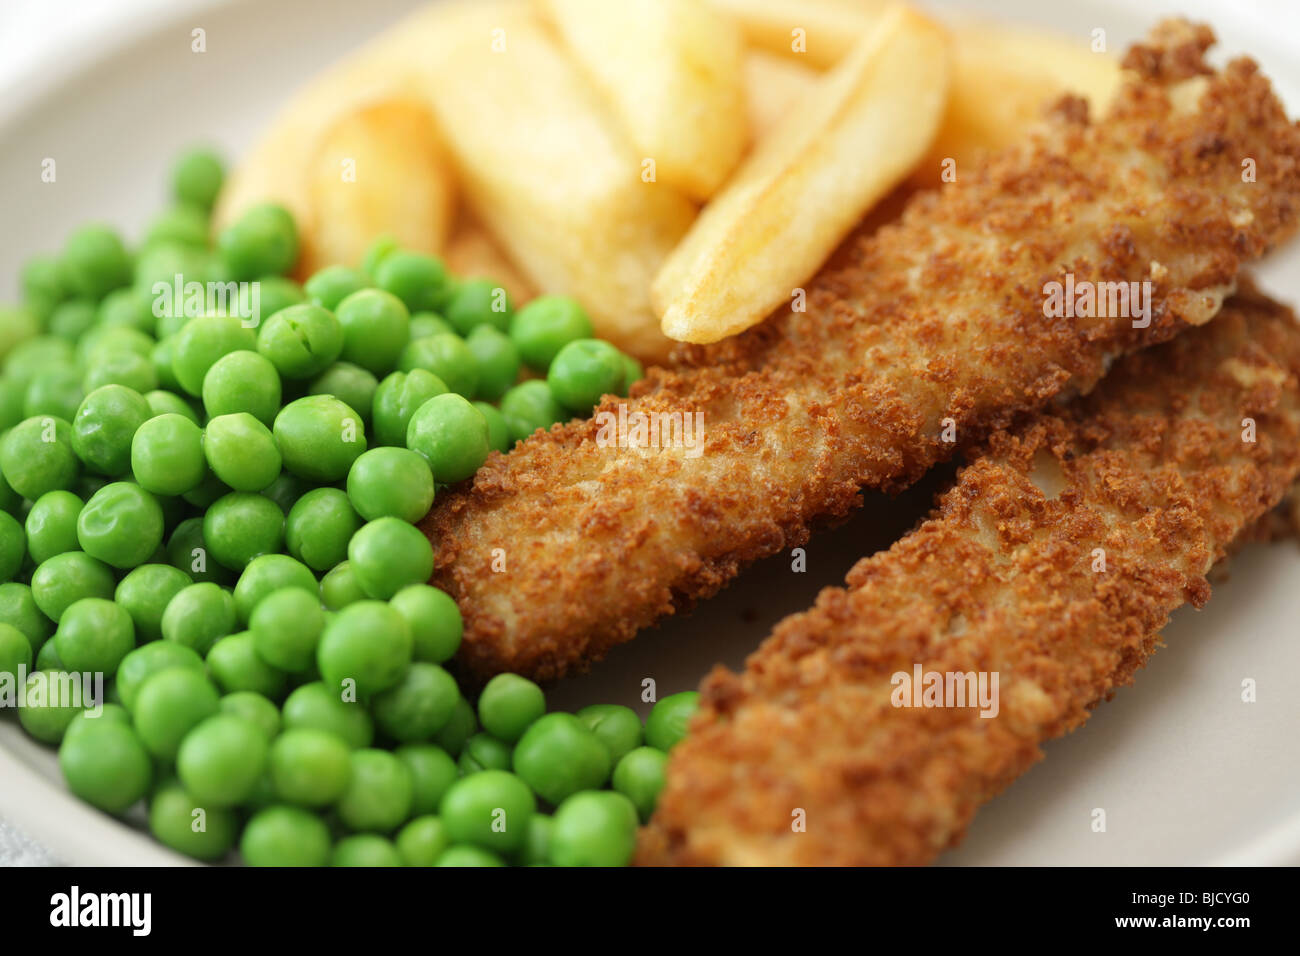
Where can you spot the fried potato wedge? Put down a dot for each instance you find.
(378, 171)
(818, 32)
(545, 168)
(773, 84)
(672, 72)
(854, 136)
(1002, 80)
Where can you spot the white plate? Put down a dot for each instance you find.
(1185, 771)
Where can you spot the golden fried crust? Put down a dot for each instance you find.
(1152, 468)
(939, 316)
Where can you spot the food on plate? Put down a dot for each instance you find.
(922, 336)
(1036, 590)
(853, 137)
(672, 72)
(542, 165)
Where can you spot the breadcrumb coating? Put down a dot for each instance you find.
(926, 330)
(1152, 471)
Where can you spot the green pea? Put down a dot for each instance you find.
(26, 360)
(234, 664)
(583, 371)
(340, 587)
(241, 451)
(498, 430)
(365, 849)
(509, 704)
(378, 250)
(198, 616)
(168, 704)
(446, 356)
(55, 391)
(187, 550)
(669, 719)
(368, 643)
(618, 727)
(242, 382)
(350, 384)
(104, 426)
(319, 438)
(104, 340)
(162, 355)
(18, 608)
(536, 850)
(96, 261)
(64, 579)
(277, 294)
(301, 341)
(13, 546)
(207, 492)
(149, 659)
(639, 776)
(267, 574)
(319, 526)
(452, 435)
(315, 707)
(51, 525)
(422, 841)
(11, 401)
(144, 594)
(484, 752)
(432, 772)
(94, 635)
(285, 836)
(183, 223)
(285, 491)
(424, 324)
(594, 829)
(558, 756)
(174, 818)
(477, 303)
(389, 554)
(489, 810)
(15, 651)
(530, 406)
(36, 456)
(196, 177)
(331, 285)
(121, 525)
(376, 327)
(419, 280)
(469, 856)
(50, 700)
(106, 765)
(436, 624)
(263, 242)
(547, 324)
(123, 368)
(167, 455)
(221, 760)
(48, 658)
(255, 708)
(418, 705)
(45, 283)
(458, 730)
(632, 373)
(286, 627)
(497, 359)
(391, 482)
(240, 526)
(310, 767)
(202, 342)
(396, 400)
(379, 792)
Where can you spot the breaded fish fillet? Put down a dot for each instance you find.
(929, 330)
(1152, 474)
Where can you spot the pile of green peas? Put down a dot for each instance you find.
(216, 512)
